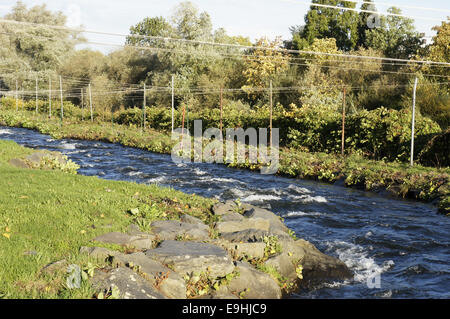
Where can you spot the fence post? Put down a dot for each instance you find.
(36, 96)
(221, 108)
(90, 102)
(270, 121)
(143, 111)
(82, 104)
(62, 104)
(412, 122)
(49, 97)
(17, 98)
(173, 103)
(343, 123)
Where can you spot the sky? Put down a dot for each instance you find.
(251, 18)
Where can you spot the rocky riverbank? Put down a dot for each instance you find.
(246, 252)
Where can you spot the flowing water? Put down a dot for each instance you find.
(396, 248)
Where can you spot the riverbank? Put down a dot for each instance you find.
(52, 218)
(418, 182)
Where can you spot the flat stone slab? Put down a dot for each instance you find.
(252, 250)
(254, 284)
(185, 218)
(232, 217)
(168, 282)
(246, 223)
(173, 229)
(224, 208)
(130, 284)
(140, 241)
(193, 257)
(98, 252)
(252, 236)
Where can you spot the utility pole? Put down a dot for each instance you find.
(36, 96)
(412, 122)
(270, 120)
(90, 102)
(343, 123)
(173, 103)
(62, 104)
(50, 97)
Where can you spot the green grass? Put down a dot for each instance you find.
(53, 214)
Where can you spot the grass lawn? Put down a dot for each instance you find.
(46, 216)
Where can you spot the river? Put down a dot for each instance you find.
(396, 248)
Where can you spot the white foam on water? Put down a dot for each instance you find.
(158, 179)
(223, 180)
(357, 259)
(239, 193)
(298, 189)
(5, 132)
(134, 173)
(309, 199)
(300, 213)
(68, 146)
(260, 198)
(199, 172)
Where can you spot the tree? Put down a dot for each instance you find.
(439, 49)
(366, 19)
(156, 27)
(190, 24)
(396, 37)
(263, 64)
(332, 23)
(40, 47)
(37, 49)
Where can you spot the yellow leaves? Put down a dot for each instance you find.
(7, 232)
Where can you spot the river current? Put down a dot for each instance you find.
(396, 248)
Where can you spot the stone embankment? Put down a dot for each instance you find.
(247, 253)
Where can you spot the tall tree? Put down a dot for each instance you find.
(39, 46)
(156, 27)
(366, 22)
(324, 22)
(396, 37)
(263, 64)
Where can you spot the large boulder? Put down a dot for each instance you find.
(129, 284)
(274, 220)
(193, 257)
(318, 267)
(168, 282)
(253, 284)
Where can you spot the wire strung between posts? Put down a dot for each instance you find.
(80, 30)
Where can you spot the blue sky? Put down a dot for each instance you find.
(252, 18)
